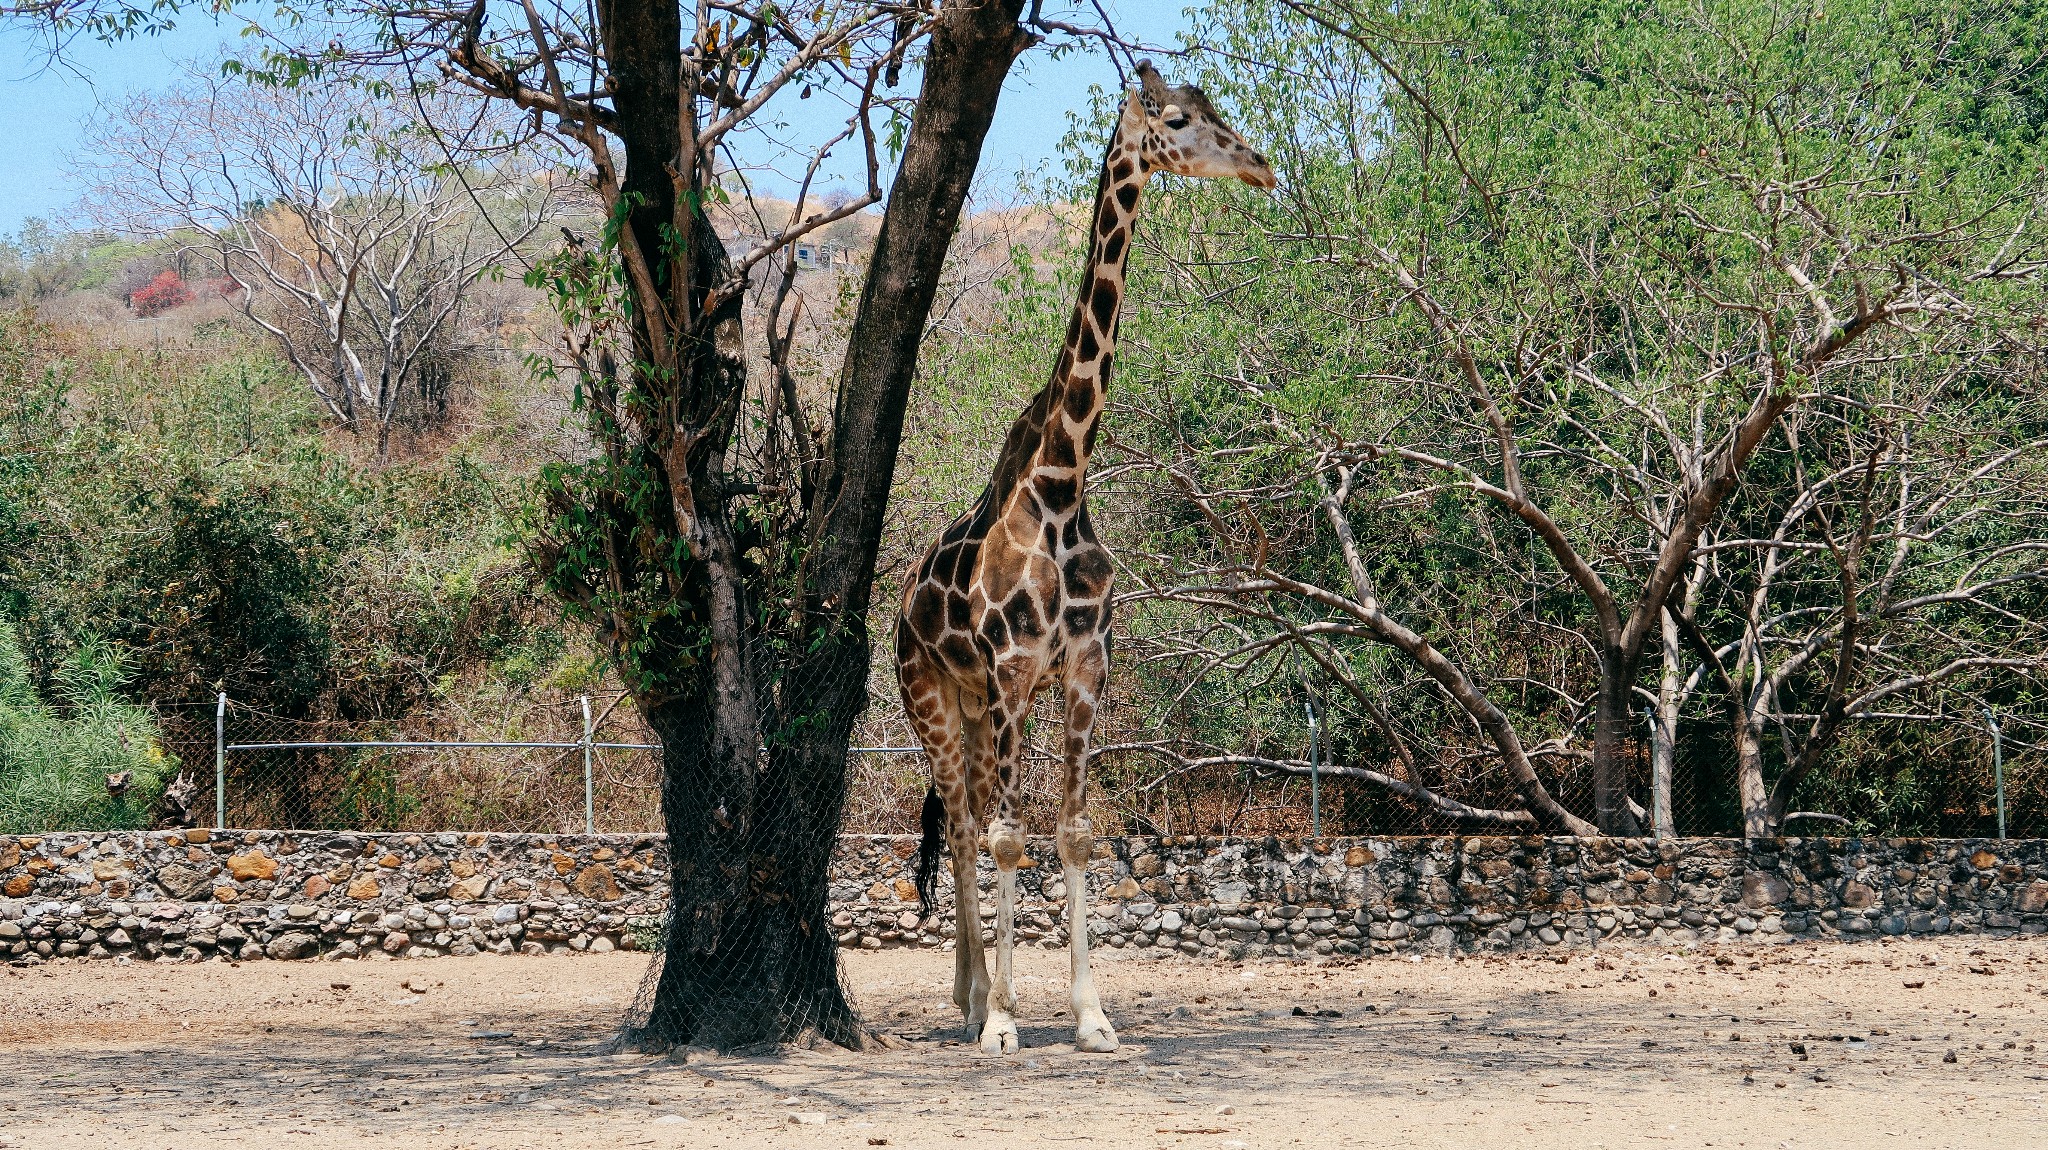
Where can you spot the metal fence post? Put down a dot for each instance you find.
(589, 794)
(1997, 767)
(1315, 790)
(220, 761)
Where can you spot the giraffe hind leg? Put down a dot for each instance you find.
(934, 708)
(1006, 846)
(964, 806)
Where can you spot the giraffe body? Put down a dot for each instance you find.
(1015, 594)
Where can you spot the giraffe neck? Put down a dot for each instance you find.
(1080, 382)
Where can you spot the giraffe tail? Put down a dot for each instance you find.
(934, 826)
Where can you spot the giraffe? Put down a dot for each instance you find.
(1015, 594)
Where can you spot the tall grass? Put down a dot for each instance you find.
(55, 761)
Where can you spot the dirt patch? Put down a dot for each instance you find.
(1623, 1048)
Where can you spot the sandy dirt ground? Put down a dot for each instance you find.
(1905, 1043)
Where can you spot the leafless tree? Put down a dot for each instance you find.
(348, 227)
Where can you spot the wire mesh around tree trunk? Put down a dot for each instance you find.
(749, 958)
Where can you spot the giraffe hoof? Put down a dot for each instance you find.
(999, 1037)
(1096, 1038)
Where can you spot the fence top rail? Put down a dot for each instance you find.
(397, 745)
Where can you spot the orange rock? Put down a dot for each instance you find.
(1357, 856)
(563, 863)
(462, 868)
(225, 894)
(596, 883)
(106, 870)
(604, 854)
(880, 892)
(254, 865)
(469, 889)
(198, 835)
(389, 861)
(30, 842)
(427, 864)
(906, 891)
(317, 886)
(19, 886)
(1983, 860)
(10, 854)
(194, 854)
(74, 850)
(364, 889)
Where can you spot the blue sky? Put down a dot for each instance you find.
(52, 102)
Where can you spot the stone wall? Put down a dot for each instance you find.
(281, 894)
(289, 894)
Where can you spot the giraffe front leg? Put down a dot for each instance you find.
(1092, 1032)
(999, 1032)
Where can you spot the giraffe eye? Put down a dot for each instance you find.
(1172, 116)
(1176, 122)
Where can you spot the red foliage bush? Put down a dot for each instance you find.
(161, 294)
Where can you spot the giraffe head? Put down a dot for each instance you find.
(1184, 135)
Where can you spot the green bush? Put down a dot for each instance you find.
(55, 762)
(187, 507)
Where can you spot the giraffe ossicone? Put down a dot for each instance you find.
(1015, 594)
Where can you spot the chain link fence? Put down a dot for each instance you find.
(250, 768)
(1284, 777)
(572, 764)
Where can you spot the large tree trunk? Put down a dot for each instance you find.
(755, 760)
(1611, 721)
